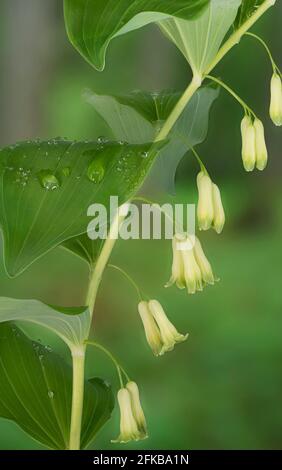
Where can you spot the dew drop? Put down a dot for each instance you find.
(50, 394)
(144, 154)
(96, 171)
(102, 140)
(48, 180)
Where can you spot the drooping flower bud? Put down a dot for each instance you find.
(128, 426)
(137, 408)
(203, 263)
(261, 150)
(152, 331)
(248, 144)
(169, 333)
(205, 212)
(276, 100)
(219, 215)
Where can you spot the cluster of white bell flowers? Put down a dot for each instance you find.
(133, 426)
(160, 333)
(191, 269)
(190, 266)
(276, 100)
(210, 211)
(254, 150)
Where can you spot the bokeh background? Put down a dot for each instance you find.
(222, 388)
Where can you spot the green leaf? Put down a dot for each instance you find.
(200, 39)
(70, 324)
(47, 187)
(91, 25)
(36, 391)
(138, 116)
(246, 10)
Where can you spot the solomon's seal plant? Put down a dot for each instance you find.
(47, 189)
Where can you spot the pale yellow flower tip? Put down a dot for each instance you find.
(219, 215)
(128, 426)
(152, 331)
(169, 334)
(203, 263)
(261, 150)
(205, 210)
(275, 109)
(137, 408)
(248, 144)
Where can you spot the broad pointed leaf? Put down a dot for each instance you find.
(139, 116)
(70, 324)
(200, 39)
(47, 187)
(246, 10)
(36, 391)
(92, 24)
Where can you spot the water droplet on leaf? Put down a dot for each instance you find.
(96, 171)
(50, 394)
(48, 180)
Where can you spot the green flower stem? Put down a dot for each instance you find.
(129, 278)
(232, 92)
(113, 359)
(274, 66)
(235, 38)
(78, 360)
(98, 270)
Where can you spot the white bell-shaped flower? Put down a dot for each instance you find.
(152, 331)
(194, 268)
(219, 214)
(276, 100)
(169, 334)
(129, 430)
(205, 210)
(137, 408)
(261, 150)
(248, 144)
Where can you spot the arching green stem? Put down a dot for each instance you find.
(119, 368)
(247, 109)
(255, 36)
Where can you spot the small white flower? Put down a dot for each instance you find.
(137, 408)
(205, 210)
(129, 430)
(248, 144)
(152, 331)
(169, 333)
(276, 100)
(219, 215)
(194, 270)
(160, 332)
(261, 150)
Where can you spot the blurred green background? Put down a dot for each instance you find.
(222, 388)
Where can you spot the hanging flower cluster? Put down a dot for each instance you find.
(191, 269)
